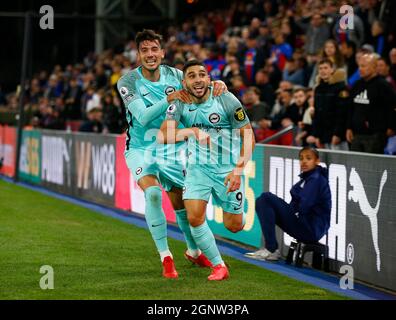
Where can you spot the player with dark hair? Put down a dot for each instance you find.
(220, 143)
(146, 92)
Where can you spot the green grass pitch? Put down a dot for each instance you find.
(99, 257)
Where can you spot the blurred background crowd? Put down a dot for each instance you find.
(268, 52)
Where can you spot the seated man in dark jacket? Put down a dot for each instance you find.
(306, 218)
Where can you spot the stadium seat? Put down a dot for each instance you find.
(320, 254)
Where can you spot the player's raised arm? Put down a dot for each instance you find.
(135, 104)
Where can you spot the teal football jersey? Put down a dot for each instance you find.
(139, 95)
(219, 117)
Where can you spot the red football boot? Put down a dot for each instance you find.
(169, 270)
(202, 261)
(219, 273)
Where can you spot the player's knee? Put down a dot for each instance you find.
(263, 199)
(196, 221)
(153, 196)
(235, 227)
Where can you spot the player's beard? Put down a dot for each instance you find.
(190, 90)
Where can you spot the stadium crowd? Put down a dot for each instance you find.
(289, 62)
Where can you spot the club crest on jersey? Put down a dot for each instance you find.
(214, 118)
(239, 114)
(170, 90)
(139, 170)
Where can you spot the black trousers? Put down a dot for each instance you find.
(371, 143)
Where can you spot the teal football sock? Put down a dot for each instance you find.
(184, 225)
(155, 217)
(205, 240)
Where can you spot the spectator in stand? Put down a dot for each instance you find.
(331, 102)
(263, 39)
(378, 37)
(366, 49)
(204, 36)
(267, 91)
(254, 59)
(113, 119)
(256, 110)
(371, 113)
(392, 59)
(280, 51)
(115, 76)
(215, 63)
(318, 32)
(355, 34)
(297, 109)
(238, 14)
(87, 95)
(279, 105)
(294, 71)
(274, 74)
(280, 119)
(348, 51)
(186, 35)
(53, 89)
(35, 92)
(332, 52)
(51, 119)
(94, 122)
(238, 86)
(231, 70)
(130, 51)
(100, 76)
(305, 126)
(179, 64)
(73, 100)
(383, 70)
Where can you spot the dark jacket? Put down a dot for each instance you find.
(295, 113)
(372, 105)
(258, 112)
(311, 198)
(331, 108)
(91, 126)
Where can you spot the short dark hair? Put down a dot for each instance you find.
(312, 149)
(192, 63)
(300, 89)
(148, 34)
(256, 90)
(326, 61)
(385, 60)
(351, 44)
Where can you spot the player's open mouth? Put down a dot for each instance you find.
(199, 89)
